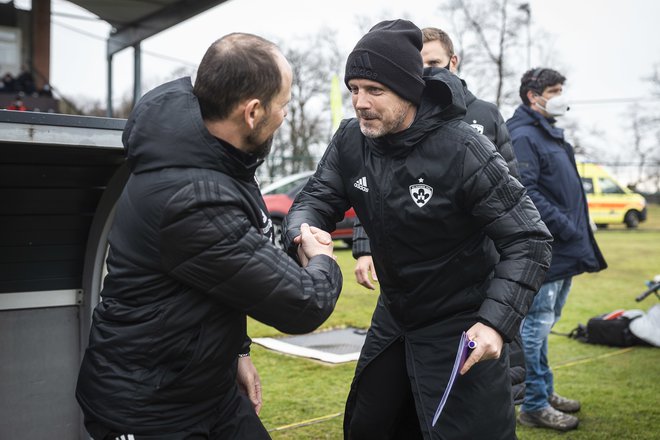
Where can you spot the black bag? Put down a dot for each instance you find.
(614, 331)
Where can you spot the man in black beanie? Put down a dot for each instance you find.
(438, 203)
(438, 52)
(390, 54)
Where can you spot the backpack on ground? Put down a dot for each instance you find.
(611, 329)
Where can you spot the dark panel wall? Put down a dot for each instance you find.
(54, 171)
(48, 198)
(39, 359)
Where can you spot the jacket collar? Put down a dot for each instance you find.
(166, 130)
(469, 97)
(443, 100)
(528, 116)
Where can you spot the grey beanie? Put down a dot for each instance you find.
(390, 53)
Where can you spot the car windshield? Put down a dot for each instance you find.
(300, 184)
(288, 185)
(608, 186)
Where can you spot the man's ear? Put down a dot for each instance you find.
(253, 112)
(531, 94)
(454, 61)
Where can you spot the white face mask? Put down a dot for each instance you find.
(555, 106)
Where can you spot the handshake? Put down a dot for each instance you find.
(311, 242)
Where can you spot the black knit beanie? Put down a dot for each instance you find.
(390, 53)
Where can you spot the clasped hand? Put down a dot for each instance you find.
(313, 241)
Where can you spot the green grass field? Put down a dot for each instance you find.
(619, 388)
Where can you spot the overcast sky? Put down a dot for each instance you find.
(605, 47)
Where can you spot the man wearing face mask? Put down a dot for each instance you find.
(547, 169)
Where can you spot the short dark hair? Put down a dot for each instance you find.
(238, 66)
(435, 34)
(537, 80)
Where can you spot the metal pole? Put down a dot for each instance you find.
(108, 110)
(137, 73)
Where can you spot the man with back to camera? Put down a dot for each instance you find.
(191, 255)
(438, 51)
(548, 171)
(436, 200)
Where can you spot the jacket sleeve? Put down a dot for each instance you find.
(530, 171)
(504, 145)
(209, 244)
(361, 244)
(500, 205)
(323, 201)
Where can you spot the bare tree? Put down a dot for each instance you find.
(87, 107)
(641, 156)
(492, 38)
(649, 129)
(307, 127)
(638, 135)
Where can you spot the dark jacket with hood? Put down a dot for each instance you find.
(484, 117)
(437, 203)
(548, 171)
(190, 256)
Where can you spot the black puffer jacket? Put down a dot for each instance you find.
(437, 203)
(484, 117)
(190, 256)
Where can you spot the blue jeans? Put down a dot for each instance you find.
(545, 311)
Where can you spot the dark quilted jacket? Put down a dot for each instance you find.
(548, 171)
(190, 257)
(454, 240)
(484, 117)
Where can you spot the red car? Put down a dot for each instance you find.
(279, 197)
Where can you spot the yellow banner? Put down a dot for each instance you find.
(336, 107)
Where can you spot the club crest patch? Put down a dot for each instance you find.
(477, 126)
(266, 230)
(420, 193)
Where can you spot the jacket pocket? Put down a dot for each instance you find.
(171, 372)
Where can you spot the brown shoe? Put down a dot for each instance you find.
(563, 404)
(548, 417)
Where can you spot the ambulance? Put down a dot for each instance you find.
(609, 201)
